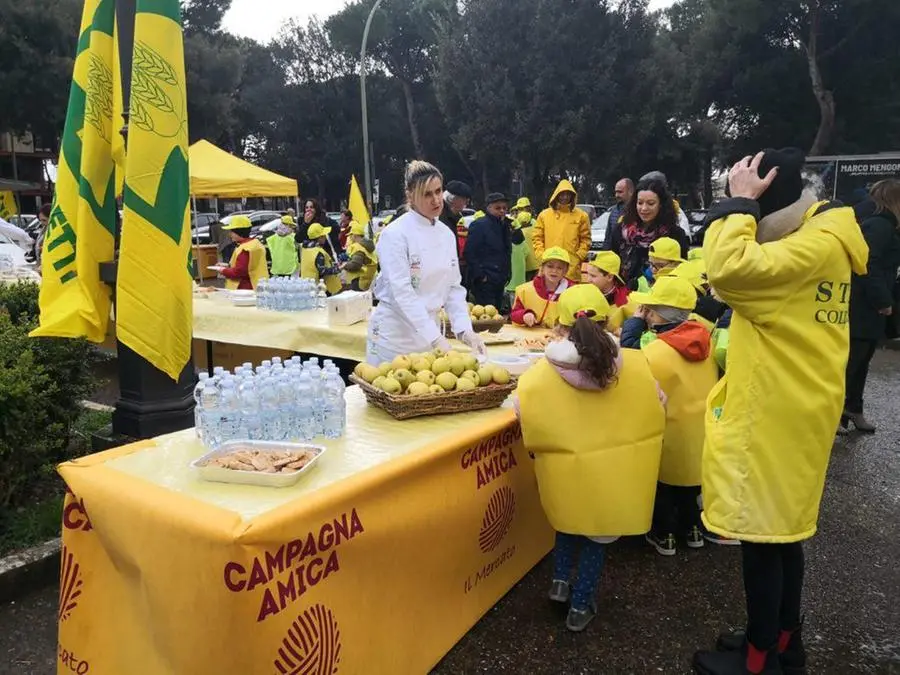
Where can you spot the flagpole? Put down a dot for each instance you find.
(150, 404)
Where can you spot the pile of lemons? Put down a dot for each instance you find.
(431, 373)
(477, 313)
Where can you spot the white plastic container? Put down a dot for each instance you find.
(218, 474)
(516, 365)
(348, 308)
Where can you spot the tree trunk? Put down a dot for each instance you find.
(824, 97)
(411, 116)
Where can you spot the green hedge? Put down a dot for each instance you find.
(42, 383)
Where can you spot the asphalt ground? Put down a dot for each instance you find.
(655, 612)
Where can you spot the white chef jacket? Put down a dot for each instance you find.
(419, 275)
(19, 236)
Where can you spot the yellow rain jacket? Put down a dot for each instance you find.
(257, 267)
(681, 360)
(567, 227)
(771, 420)
(308, 268)
(596, 475)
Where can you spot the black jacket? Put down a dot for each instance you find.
(875, 290)
(635, 258)
(489, 250)
(449, 218)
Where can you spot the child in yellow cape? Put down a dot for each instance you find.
(682, 362)
(536, 300)
(594, 487)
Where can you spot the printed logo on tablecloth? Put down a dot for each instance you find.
(497, 519)
(312, 645)
(492, 457)
(75, 515)
(70, 583)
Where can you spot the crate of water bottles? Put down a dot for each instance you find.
(277, 400)
(290, 294)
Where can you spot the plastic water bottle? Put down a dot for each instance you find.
(267, 410)
(321, 295)
(284, 391)
(304, 410)
(210, 415)
(198, 397)
(333, 404)
(229, 420)
(262, 294)
(250, 423)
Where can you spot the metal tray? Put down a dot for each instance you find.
(218, 474)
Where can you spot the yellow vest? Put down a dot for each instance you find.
(308, 268)
(545, 311)
(257, 267)
(594, 483)
(531, 262)
(367, 273)
(618, 315)
(686, 384)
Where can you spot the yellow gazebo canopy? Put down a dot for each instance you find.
(216, 173)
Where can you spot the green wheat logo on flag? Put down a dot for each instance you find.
(80, 235)
(154, 283)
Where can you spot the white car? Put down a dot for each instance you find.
(11, 251)
(598, 230)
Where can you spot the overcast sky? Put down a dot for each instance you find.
(261, 19)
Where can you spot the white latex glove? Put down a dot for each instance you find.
(442, 343)
(476, 344)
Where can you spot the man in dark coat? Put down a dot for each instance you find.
(456, 197)
(872, 295)
(488, 253)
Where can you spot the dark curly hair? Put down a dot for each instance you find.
(666, 217)
(598, 353)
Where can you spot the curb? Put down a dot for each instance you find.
(893, 345)
(29, 570)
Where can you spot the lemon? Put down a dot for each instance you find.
(447, 381)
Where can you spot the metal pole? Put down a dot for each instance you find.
(365, 110)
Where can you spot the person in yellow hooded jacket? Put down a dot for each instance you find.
(594, 487)
(316, 262)
(248, 259)
(360, 269)
(783, 263)
(681, 360)
(565, 226)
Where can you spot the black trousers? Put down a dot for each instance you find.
(675, 510)
(773, 583)
(487, 293)
(861, 353)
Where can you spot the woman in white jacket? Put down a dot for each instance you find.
(419, 275)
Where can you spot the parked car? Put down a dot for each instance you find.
(697, 218)
(200, 227)
(588, 209)
(598, 230)
(10, 250)
(257, 219)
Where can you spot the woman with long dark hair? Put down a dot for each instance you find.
(872, 296)
(313, 213)
(649, 216)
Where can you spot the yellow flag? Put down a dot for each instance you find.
(357, 203)
(154, 301)
(8, 206)
(74, 302)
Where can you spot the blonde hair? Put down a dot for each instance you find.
(418, 175)
(886, 195)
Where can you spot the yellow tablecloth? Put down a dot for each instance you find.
(377, 562)
(217, 320)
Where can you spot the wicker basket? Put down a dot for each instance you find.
(404, 407)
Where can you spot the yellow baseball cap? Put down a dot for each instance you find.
(666, 248)
(693, 271)
(523, 219)
(479, 214)
(695, 254)
(670, 291)
(556, 253)
(238, 223)
(357, 228)
(523, 203)
(583, 299)
(609, 262)
(316, 230)
(288, 220)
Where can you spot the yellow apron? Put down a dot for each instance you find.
(257, 267)
(545, 311)
(367, 273)
(595, 483)
(686, 384)
(308, 268)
